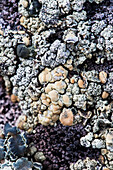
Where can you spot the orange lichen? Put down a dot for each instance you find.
(81, 83)
(13, 98)
(26, 41)
(105, 95)
(66, 117)
(66, 100)
(53, 95)
(103, 77)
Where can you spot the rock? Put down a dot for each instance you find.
(22, 51)
(33, 150)
(101, 159)
(39, 156)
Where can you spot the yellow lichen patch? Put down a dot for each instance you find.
(13, 98)
(45, 76)
(43, 120)
(104, 151)
(72, 80)
(48, 88)
(43, 96)
(55, 108)
(60, 103)
(21, 121)
(69, 61)
(25, 3)
(81, 83)
(45, 102)
(59, 73)
(26, 41)
(1, 32)
(105, 168)
(60, 86)
(22, 19)
(66, 117)
(103, 77)
(105, 95)
(48, 114)
(55, 118)
(53, 95)
(66, 100)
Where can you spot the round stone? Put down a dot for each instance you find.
(22, 51)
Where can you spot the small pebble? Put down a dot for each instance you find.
(22, 51)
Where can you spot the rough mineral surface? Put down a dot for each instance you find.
(56, 60)
(60, 145)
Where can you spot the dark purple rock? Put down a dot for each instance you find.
(61, 145)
